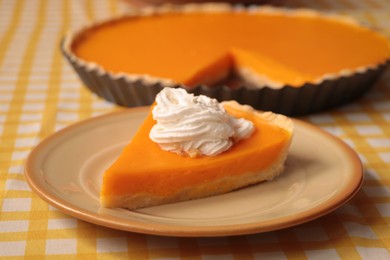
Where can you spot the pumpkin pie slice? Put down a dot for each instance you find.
(145, 175)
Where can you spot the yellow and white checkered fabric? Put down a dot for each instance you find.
(39, 94)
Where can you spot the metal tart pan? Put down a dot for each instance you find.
(288, 100)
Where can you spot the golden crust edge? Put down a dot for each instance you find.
(279, 120)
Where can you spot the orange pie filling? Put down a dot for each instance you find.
(198, 47)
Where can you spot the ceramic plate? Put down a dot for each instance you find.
(321, 174)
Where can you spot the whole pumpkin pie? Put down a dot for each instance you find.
(146, 175)
(196, 45)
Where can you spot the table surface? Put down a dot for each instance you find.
(40, 94)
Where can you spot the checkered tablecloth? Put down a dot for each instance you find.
(40, 94)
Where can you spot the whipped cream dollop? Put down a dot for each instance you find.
(195, 125)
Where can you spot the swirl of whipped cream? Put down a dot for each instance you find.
(195, 125)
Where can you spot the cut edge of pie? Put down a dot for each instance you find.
(230, 180)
